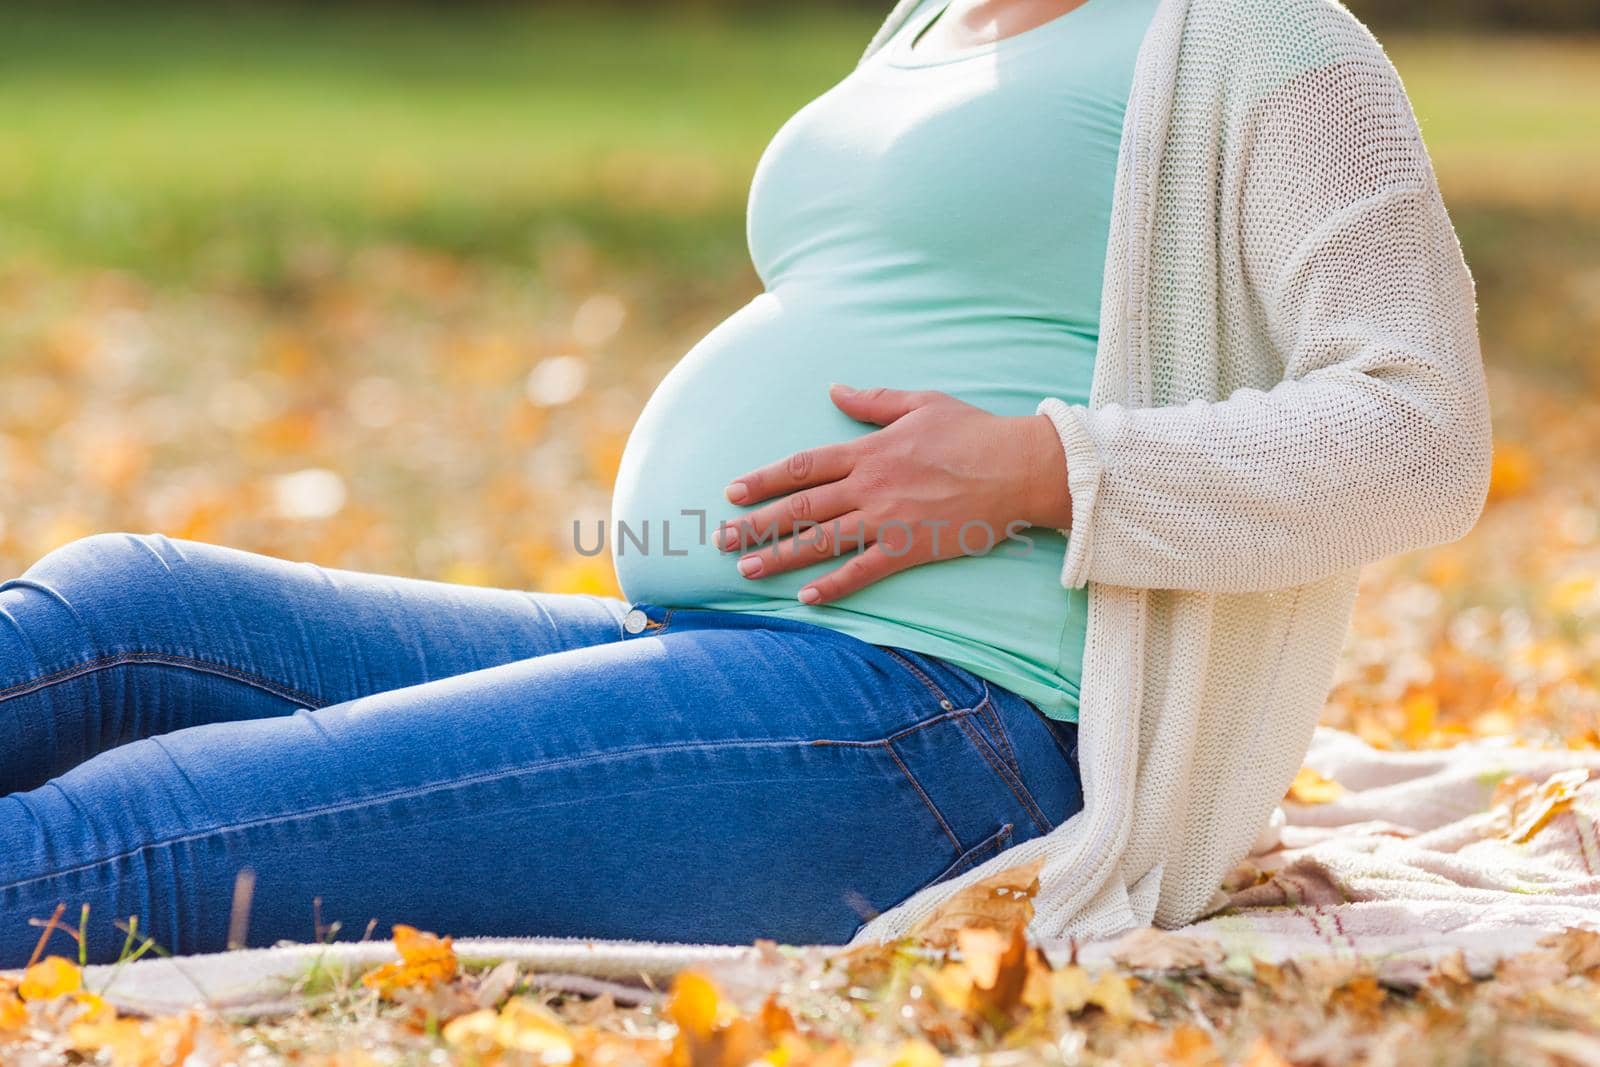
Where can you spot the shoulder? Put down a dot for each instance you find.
(1272, 41)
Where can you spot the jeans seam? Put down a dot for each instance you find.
(944, 716)
(965, 861)
(160, 659)
(466, 781)
(932, 687)
(1012, 781)
(1002, 739)
(923, 793)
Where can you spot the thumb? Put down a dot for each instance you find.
(879, 406)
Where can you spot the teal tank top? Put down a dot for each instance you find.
(933, 221)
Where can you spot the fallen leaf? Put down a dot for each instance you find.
(157, 1042)
(1580, 949)
(693, 1003)
(775, 1018)
(1361, 996)
(1003, 901)
(1522, 809)
(1262, 1054)
(1149, 949)
(1310, 787)
(522, 1025)
(1112, 993)
(915, 1052)
(1190, 1046)
(50, 978)
(13, 1012)
(425, 960)
(1453, 971)
(711, 1033)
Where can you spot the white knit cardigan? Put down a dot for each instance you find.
(1288, 385)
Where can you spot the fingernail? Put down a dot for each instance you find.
(737, 492)
(841, 385)
(809, 595)
(724, 538)
(750, 566)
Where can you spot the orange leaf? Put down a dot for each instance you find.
(425, 960)
(50, 978)
(694, 1003)
(13, 1013)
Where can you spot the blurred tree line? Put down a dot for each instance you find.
(1463, 14)
(1499, 14)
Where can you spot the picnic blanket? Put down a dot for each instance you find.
(1483, 848)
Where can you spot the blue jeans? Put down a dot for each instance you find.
(475, 761)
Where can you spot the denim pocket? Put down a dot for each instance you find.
(989, 847)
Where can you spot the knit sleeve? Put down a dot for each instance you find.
(1376, 440)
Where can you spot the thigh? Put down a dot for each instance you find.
(686, 784)
(120, 636)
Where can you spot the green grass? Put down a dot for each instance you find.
(142, 136)
(213, 142)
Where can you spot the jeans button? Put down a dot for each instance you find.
(634, 621)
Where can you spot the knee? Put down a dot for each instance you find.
(99, 559)
(104, 583)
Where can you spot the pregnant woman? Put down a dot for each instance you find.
(1101, 343)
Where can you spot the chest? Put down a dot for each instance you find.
(996, 157)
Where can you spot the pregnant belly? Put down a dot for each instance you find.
(754, 390)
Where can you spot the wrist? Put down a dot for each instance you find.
(1047, 501)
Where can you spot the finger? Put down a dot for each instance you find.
(814, 466)
(809, 546)
(879, 406)
(797, 511)
(858, 572)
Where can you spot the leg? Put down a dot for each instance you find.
(118, 637)
(718, 777)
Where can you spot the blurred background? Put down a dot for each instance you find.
(383, 287)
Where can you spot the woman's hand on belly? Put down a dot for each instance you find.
(942, 479)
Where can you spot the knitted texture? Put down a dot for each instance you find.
(1288, 385)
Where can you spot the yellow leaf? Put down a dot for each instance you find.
(694, 1003)
(981, 952)
(156, 1042)
(92, 1006)
(1113, 993)
(1003, 901)
(1421, 712)
(915, 1052)
(1072, 988)
(50, 978)
(1309, 787)
(425, 960)
(1522, 809)
(13, 1013)
(522, 1025)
